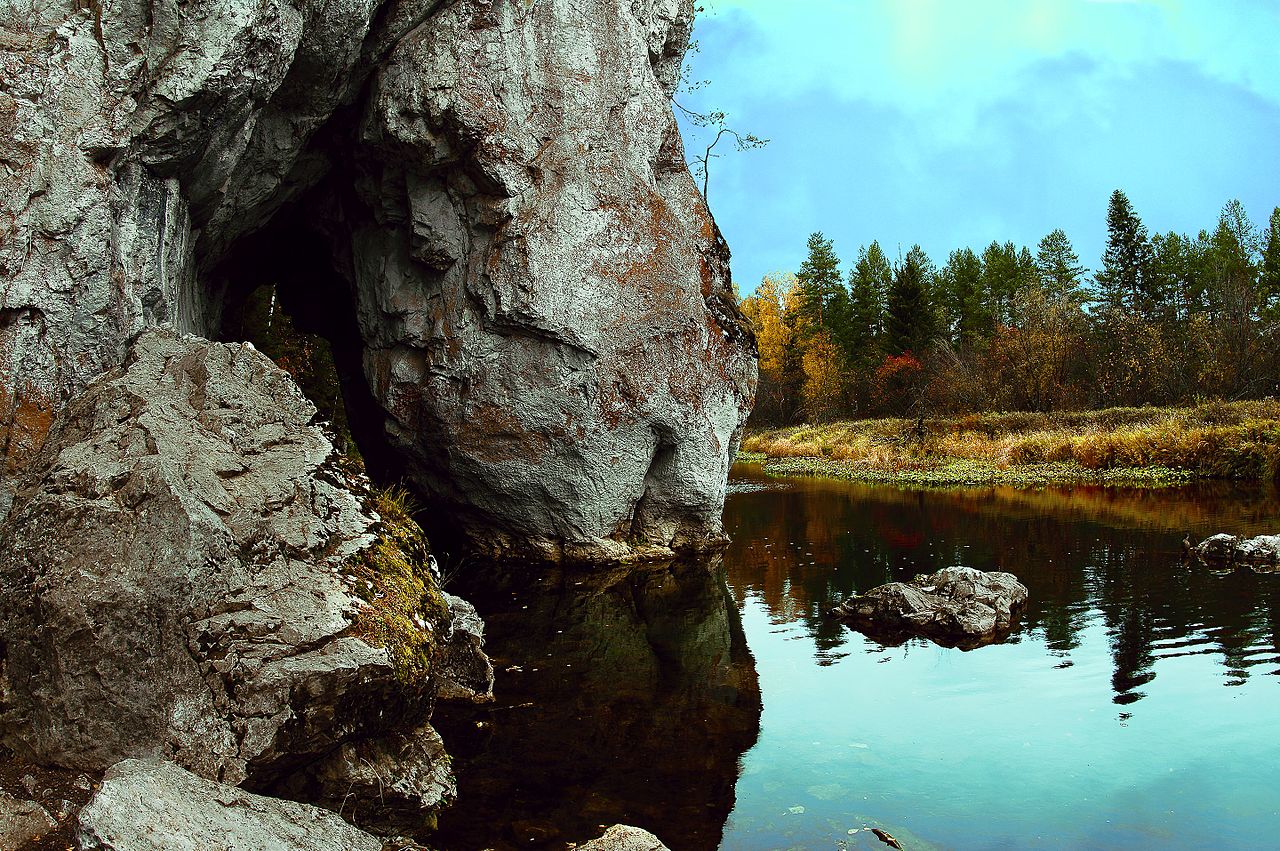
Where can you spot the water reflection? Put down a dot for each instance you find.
(625, 697)
(1087, 554)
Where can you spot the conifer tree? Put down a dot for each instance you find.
(1269, 284)
(824, 301)
(909, 318)
(969, 320)
(1125, 279)
(1058, 265)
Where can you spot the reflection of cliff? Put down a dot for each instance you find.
(626, 698)
(1088, 555)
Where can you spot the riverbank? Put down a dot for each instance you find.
(1141, 447)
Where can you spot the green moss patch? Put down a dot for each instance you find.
(405, 611)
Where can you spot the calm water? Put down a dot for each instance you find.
(1137, 705)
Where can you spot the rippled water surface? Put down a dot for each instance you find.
(1136, 705)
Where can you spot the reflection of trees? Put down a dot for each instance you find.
(1087, 554)
(635, 696)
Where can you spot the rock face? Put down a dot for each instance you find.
(539, 298)
(1260, 552)
(178, 578)
(543, 295)
(152, 805)
(957, 606)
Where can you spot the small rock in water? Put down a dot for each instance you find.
(796, 810)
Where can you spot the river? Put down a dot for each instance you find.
(1137, 703)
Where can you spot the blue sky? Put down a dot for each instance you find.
(956, 122)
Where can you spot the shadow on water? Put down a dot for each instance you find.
(1087, 554)
(626, 697)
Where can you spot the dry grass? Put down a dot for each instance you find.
(1236, 440)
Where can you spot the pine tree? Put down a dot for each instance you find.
(909, 319)
(1001, 279)
(869, 280)
(821, 284)
(1125, 280)
(1058, 266)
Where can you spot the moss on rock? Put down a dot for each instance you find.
(405, 611)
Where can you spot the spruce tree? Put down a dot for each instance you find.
(909, 317)
(868, 282)
(1125, 280)
(1269, 283)
(968, 315)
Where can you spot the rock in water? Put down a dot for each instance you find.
(536, 295)
(184, 575)
(463, 671)
(152, 805)
(1260, 552)
(957, 606)
(624, 837)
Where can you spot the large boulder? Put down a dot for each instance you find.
(957, 606)
(544, 298)
(537, 300)
(152, 805)
(624, 837)
(189, 573)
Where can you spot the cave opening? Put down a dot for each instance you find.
(285, 294)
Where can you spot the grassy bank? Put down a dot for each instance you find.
(1118, 446)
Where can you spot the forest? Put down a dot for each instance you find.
(1167, 319)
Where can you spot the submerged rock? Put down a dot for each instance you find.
(956, 606)
(1262, 551)
(623, 837)
(153, 805)
(185, 573)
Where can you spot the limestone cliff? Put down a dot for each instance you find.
(536, 298)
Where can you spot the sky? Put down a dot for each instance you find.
(955, 122)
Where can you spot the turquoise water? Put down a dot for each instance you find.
(1136, 705)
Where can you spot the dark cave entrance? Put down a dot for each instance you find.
(284, 294)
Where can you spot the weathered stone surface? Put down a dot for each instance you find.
(623, 837)
(391, 785)
(1259, 552)
(956, 605)
(21, 821)
(153, 805)
(543, 297)
(463, 671)
(139, 140)
(177, 577)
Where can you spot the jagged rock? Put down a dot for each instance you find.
(21, 821)
(463, 671)
(153, 805)
(391, 785)
(956, 605)
(543, 295)
(1261, 551)
(542, 300)
(623, 837)
(177, 578)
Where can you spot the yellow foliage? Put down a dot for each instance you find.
(767, 312)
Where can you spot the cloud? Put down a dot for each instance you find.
(953, 124)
